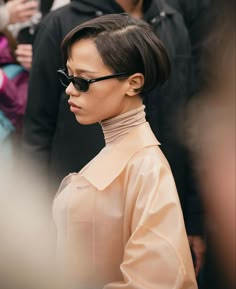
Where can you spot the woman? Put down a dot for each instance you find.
(119, 221)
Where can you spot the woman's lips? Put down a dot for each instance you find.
(73, 107)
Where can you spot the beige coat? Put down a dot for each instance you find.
(119, 220)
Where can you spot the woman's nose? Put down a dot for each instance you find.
(71, 90)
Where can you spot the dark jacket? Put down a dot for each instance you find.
(51, 133)
(199, 17)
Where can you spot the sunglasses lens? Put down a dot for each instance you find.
(80, 84)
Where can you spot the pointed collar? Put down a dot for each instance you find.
(110, 162)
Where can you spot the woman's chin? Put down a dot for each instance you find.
(84, 121)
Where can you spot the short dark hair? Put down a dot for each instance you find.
(126, 45)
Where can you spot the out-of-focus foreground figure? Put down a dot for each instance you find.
(212, 139)
(27, 258)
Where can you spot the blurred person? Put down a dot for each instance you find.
(24, 52)
(23, 28)
(15, 63)
(15, 11)
(60, 145)
(13, 95)
(119, 220)
(211, 139)
(198, 16)
(27, 252)
(26, 32)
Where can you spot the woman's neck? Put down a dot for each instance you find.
(132, 7)
(118, 126)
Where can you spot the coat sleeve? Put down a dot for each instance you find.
(199, 17)
(157, 254)
(44, 92)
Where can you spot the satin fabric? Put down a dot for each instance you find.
(119, 220)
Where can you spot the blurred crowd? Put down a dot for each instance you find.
(193, 116)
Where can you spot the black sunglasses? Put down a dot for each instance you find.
(81, 83)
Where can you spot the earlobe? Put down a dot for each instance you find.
(136, 82)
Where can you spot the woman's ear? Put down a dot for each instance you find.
(136, 82)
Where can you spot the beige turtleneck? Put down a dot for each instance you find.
(118, 126)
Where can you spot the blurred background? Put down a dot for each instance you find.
(27, 242)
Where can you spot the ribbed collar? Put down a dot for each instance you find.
(119, 126)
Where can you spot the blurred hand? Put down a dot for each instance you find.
(198, 247)
(21, 10)
(24, 55)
